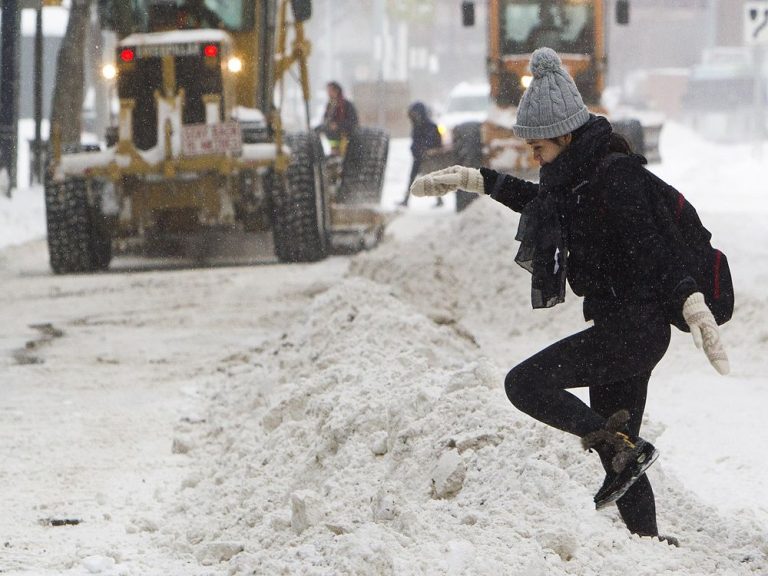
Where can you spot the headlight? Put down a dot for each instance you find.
(108, 72)
(526, 81)
(234, 64)
(443, 129)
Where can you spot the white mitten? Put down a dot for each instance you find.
(447, 180)
(705, 331)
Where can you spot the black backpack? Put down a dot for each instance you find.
(690, 241)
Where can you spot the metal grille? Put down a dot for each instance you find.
(140, 84)
(197, 75)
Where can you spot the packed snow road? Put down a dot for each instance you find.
(98, 373)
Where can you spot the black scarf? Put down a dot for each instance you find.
(543, 228)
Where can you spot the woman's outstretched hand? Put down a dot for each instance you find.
(705, 331)
(448, 180)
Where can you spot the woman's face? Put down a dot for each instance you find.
(546, 150)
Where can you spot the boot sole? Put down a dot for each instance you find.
(619, 493)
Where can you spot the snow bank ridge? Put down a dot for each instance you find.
(388, 447)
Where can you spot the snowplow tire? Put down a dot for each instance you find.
(78, 240)
(362, 173)
(300, 217)
(467, 142)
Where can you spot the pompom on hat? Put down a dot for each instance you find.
(551, 106)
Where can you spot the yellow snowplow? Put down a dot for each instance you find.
(198, 143)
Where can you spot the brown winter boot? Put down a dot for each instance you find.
(629, 458)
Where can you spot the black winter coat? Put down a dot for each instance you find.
(616, 254)
(424, 133)
(342, 114)
(424, 136)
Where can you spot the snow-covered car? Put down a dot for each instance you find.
(467, 102)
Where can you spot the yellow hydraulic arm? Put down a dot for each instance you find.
(284, 60)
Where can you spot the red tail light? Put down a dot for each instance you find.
(211, 51)
(127, 55)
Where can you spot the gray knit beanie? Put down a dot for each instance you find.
(551, 106)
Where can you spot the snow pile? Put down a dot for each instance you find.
(373, 439)
(462, 270)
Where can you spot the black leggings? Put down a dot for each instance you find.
(614, 358)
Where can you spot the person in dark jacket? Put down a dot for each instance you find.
(424, 137)
(596, 231)
(340, 118)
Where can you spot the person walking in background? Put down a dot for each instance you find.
(340, 118)
(595, 228)
(424, 137)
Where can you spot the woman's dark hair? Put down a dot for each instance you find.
(618, 143)
(336, 86)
